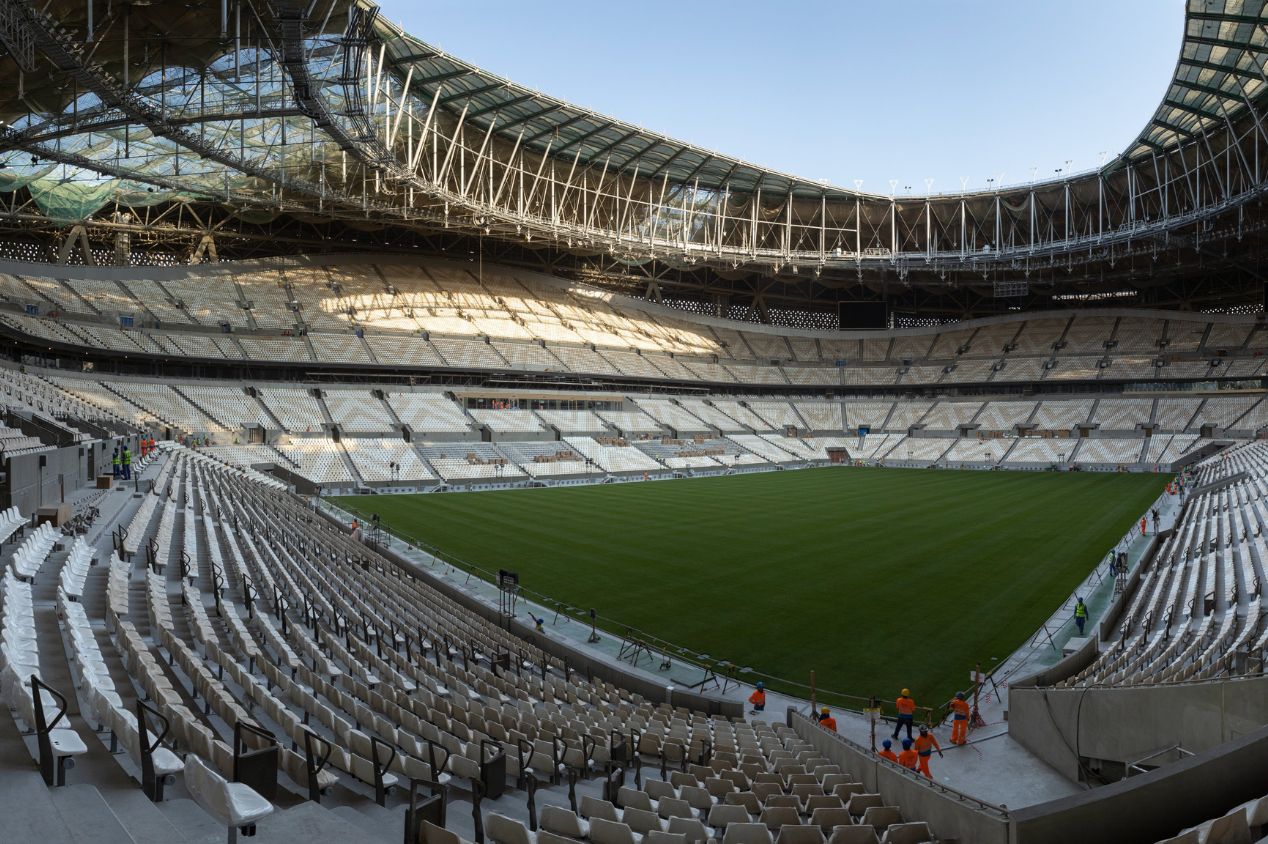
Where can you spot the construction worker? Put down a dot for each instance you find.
(827, 721)
(1143, 522)
(126, 459)
(115, 464)
(757, 700)
(926, 744)
(1080, 615)
(908, 758)
(886, 751)
(906, 712)
(959, 719)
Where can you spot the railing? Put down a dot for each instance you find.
(151, 784)
(1138, 766)
(255, 767)
(53, 768)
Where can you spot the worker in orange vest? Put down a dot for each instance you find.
(908, 757)
(959, 719)
(926, 744)
(886, 751)
(906, 712)
(758, 699)
(827, 721)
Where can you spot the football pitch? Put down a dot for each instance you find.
(875, 579)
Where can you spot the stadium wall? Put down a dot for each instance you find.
(1077, 727)
(30, 485)
(1155, 805)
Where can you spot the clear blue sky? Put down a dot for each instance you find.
(877, 90)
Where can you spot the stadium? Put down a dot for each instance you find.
(392, 451)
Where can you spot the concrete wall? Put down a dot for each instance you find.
(1067, 727)
(949, 815)
(1153, 806)
(31, 486)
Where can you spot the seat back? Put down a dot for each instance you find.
(209, 790)
(776, 816)
(747, 833)
(657, 837)
(593, 807)
(560, 820)
(830, 819)
(1229, 829)
(503, 830)
(908, 833)
(799, 834)
(610, 832)
(691, 828)
(853, 835)
(881, 817)
(722, 815)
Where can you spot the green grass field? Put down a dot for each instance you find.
(874, 578)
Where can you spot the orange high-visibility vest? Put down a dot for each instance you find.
(828, 723)
(906, 705)
(960, 708)
(926, 744)
(908, 759)
(887, 754)
(758, 698)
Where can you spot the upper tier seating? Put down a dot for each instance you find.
(436, 314)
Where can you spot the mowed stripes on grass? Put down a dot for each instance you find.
(874, 578)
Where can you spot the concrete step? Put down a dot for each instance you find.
(386, 823)
(28, 811)
(310, 822)
(192, 822)
(143, 820)
(87, 816)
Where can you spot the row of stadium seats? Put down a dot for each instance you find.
(1199, 611)
(368, 661)
(409, 315)
(199, 407)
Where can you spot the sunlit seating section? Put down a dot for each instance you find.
(1099, 450)
(573, 421)
(230, 406)
(262, 347)
(711, 415)
(779, 415)
(742, 414)
(1122, 414)
(673, 416)
(429, 413)
(1004, 415)
(1062, 414)
(867, 414)
(978, 451)
(1040, 451)
(820, 415)
(950, 415)
(317, 459)
(907, 414)
(374, 458)
(630, 421)
(340, 348)
(97, 395)
(1226, 413)
(165, 403)
(357, 410)
(509, 421)
(403, 350)
(294, 407)
(614, 458)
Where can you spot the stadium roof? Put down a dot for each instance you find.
(292, 124)
(1219, 75)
